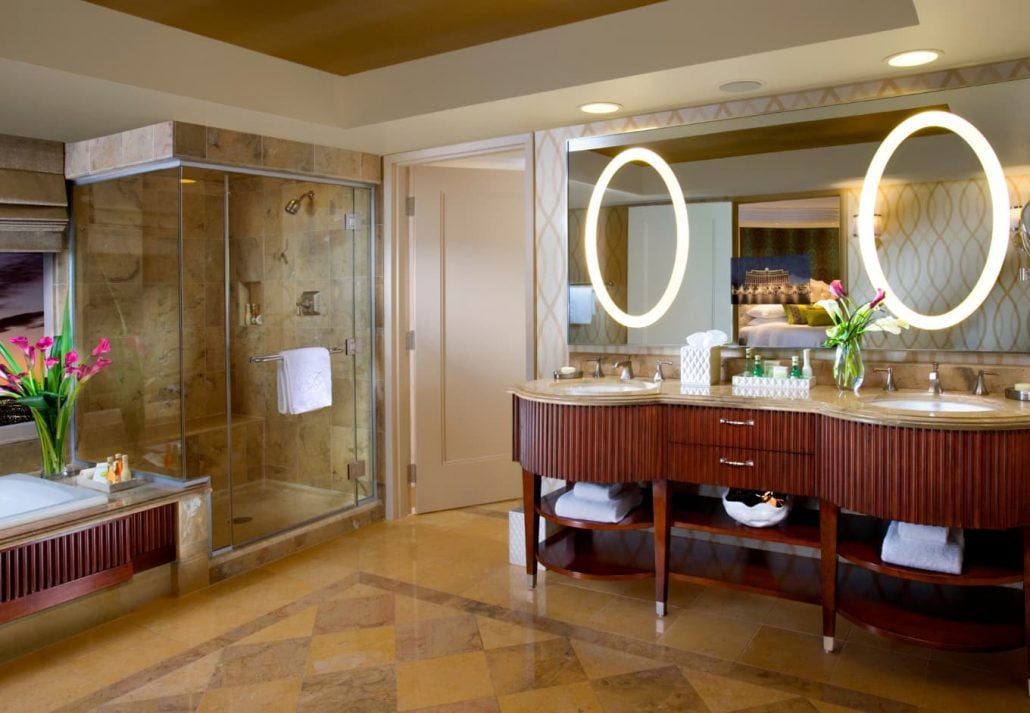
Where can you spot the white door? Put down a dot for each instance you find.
(469, 317)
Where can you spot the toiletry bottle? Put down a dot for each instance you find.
(126, 473)
(795, 367)
(806, 368)
(111, 476)
(757, 371)
(749, 361)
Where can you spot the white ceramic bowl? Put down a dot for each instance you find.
(760, 515)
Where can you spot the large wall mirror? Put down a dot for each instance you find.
(772, 202)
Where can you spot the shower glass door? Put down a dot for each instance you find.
(297, 274)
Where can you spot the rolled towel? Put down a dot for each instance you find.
(575, 508)
(597, 491)
(945, 558)
(923, 533)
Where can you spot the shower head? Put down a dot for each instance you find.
(293, 205)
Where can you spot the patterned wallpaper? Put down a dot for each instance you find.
(550, 168)
(933, 247)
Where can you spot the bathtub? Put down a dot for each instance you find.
(24, 498)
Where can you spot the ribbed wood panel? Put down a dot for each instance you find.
(37, 566)
(721, 465)
(743, 428)
(152, 537)
(953, 478)
(603, 444)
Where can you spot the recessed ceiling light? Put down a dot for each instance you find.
(913, 58)
(740, 86)
(600, 107)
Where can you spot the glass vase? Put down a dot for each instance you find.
(848, 369)
(51, 443)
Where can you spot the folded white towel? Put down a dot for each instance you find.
(304, 379)
(597, 491)
(924, 555)
(613, 510)
(923, 533)
(581, 304)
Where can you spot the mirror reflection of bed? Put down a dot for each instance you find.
(786, 254)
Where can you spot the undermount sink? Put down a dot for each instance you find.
(932, 404)
(603, 387)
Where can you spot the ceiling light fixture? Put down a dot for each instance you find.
(740, 86)
(186, 181)
(600, 107)
(913, 58)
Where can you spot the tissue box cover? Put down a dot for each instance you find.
(517, 535)
(700, 367)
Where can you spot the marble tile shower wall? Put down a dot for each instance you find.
(274, 257)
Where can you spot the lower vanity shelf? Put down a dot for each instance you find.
(599, 554)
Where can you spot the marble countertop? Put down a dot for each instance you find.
(146, 495)
(1003, 413)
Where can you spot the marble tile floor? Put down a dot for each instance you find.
(426, 615)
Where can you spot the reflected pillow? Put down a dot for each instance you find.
(819, 290)
(817, 317)
(796, 313)
(765, 311)
(755, 321)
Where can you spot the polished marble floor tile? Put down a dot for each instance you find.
(425, 615)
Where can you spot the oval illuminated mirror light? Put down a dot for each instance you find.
(679, 265)
(999, 212)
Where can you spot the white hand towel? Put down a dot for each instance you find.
(945, 558)
(613, 510)
(304, 380)
(923, 533)
(581, 304)
(597, 491)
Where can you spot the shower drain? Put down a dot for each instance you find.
(241, 520)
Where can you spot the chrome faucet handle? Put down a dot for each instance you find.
(598, 372)
(935, 380)
(658, 375)
(627, 369)
(981, 388)
(888, 383)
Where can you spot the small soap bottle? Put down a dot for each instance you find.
(795, 367)
(749, 361)
(806, 367)
(126, 474)
(757, 371)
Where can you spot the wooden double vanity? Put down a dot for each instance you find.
(861, 464)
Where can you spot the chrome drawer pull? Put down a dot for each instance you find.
(737, 463)
(730, 422)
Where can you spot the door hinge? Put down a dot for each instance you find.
(356, 470)
(353, 346)
(412, 475)
(409, 340)
(409, 206)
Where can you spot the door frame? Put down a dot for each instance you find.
(398, 274)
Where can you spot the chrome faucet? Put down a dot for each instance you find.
(598, 373)
(658, 375)
(627, 369)
(888, 382)
(935, 380)
(980, 389)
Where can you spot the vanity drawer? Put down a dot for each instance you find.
(743, 468)
(743, 428)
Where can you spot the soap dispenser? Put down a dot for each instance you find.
(806, 367)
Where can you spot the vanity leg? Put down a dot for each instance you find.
(1026, 599)
(530, 508)
(828, 526)
(660, 503)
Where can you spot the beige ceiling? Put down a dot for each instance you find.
(71, 69)
(350, 36)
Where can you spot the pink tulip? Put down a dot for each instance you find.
(70, 358)
(95, 368)
(838, 289)
(75, 371)
(45, 343)
(102, 347)
(22, 342)
(51, 362)
(880, 294)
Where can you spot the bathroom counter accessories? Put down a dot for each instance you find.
(864, 471)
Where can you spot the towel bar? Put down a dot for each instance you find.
(276, 357)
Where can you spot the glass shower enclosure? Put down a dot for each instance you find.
(199, 276)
